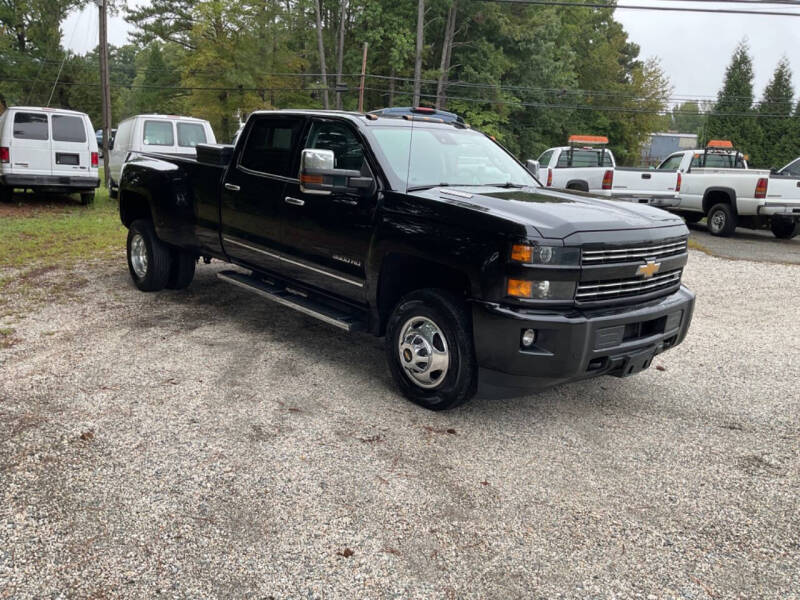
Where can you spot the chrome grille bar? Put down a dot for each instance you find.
(624, 254)
(626, 287)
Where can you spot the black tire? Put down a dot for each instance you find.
(721, 220)
(113, 192)
(6, 194)
(154, 273)
(784, 229)
(693, 217)
(451, 321)
(182, 271)
(87, 198)
(579, 186)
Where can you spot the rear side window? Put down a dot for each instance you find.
(68, 129)
(544, 159)
(269, 146)
(30, 126)
(191, 134)
(158, 133)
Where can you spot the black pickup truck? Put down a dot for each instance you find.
(428, 233)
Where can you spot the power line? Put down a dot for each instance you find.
(642, 7)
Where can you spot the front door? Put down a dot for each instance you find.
(328, 236)
(30, 148)
(252, 192)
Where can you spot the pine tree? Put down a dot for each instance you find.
(779, 144)
(733, 117)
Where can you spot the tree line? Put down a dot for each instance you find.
(529, 75)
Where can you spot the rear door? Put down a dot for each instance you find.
(70, 147)
(30, 144)
(252, 206)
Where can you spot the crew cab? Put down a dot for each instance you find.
(427, 233)
(718, 184)
(587, 165)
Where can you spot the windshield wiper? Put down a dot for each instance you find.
(418, 188)
(507, 184)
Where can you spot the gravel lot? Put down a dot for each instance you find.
(749, 244)
(207, 444)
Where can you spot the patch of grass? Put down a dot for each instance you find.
(38, 236)
(7, 338)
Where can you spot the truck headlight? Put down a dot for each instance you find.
(541, 290)
(534, 254)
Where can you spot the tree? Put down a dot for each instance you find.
(418, 55)
(686, 117)
(777, 126)
(156, 88)
(733, 114)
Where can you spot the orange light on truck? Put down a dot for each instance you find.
(719, 144)
(587, 139)
(311, 179)
(522, 253)
(608, 180)
(761, 188)
(520, 288)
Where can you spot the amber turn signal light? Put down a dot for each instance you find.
(520, 288)
(522, 253)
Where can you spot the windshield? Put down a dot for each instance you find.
(430, 157)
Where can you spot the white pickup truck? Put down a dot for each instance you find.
(717, 184)
(587, 165)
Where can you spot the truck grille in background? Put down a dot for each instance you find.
(590, 291)
(617, 255)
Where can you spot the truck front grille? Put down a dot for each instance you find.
(591, 291)
(618, 255)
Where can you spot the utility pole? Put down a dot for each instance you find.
(361, 87)
(321, 46)
(104, 86)
(418, 59)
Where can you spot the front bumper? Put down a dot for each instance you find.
(54, 182)
(576, 344)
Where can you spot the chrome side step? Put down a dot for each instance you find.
(338, 315)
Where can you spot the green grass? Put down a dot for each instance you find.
(38, 233)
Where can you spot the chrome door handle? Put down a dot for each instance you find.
(232, 187)
(294, 201)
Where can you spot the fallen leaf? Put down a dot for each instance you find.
(347, 553)
(660, 368)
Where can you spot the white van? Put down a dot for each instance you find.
(48, 150)
(164, 134)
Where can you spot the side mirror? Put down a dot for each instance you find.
(319, 176)
(111, 144)
(533, 166)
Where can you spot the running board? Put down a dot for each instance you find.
(304, 301)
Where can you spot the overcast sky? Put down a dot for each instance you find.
(694, 48)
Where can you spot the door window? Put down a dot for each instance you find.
(191, 134)
(68, 129)
(347, 149)
(269, 146)
(672, 163)
(793, 169)
(158, 133)
(544, 159)
(30, 126)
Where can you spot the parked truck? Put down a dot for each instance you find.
(427, 233)
(587, 165)
(718, 184)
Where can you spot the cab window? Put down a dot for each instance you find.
(347, 149)
(672, 163)
(793, 169)
(269, 144)
(544, 159)
(582, 158)
(191, 134)
(719, 161)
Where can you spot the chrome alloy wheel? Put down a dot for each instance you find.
(717, 221)
(139, 256)
(423, 352)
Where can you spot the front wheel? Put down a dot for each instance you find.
(149, 259)
(784, 229)
(721, 220)
(430, 351)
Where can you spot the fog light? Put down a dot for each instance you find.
(528, 337)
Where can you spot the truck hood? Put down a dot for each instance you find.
(554, 214)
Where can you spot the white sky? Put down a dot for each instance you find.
(694, 48)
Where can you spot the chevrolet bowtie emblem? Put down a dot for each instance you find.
(649, 269)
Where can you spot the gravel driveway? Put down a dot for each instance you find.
(206, 444)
